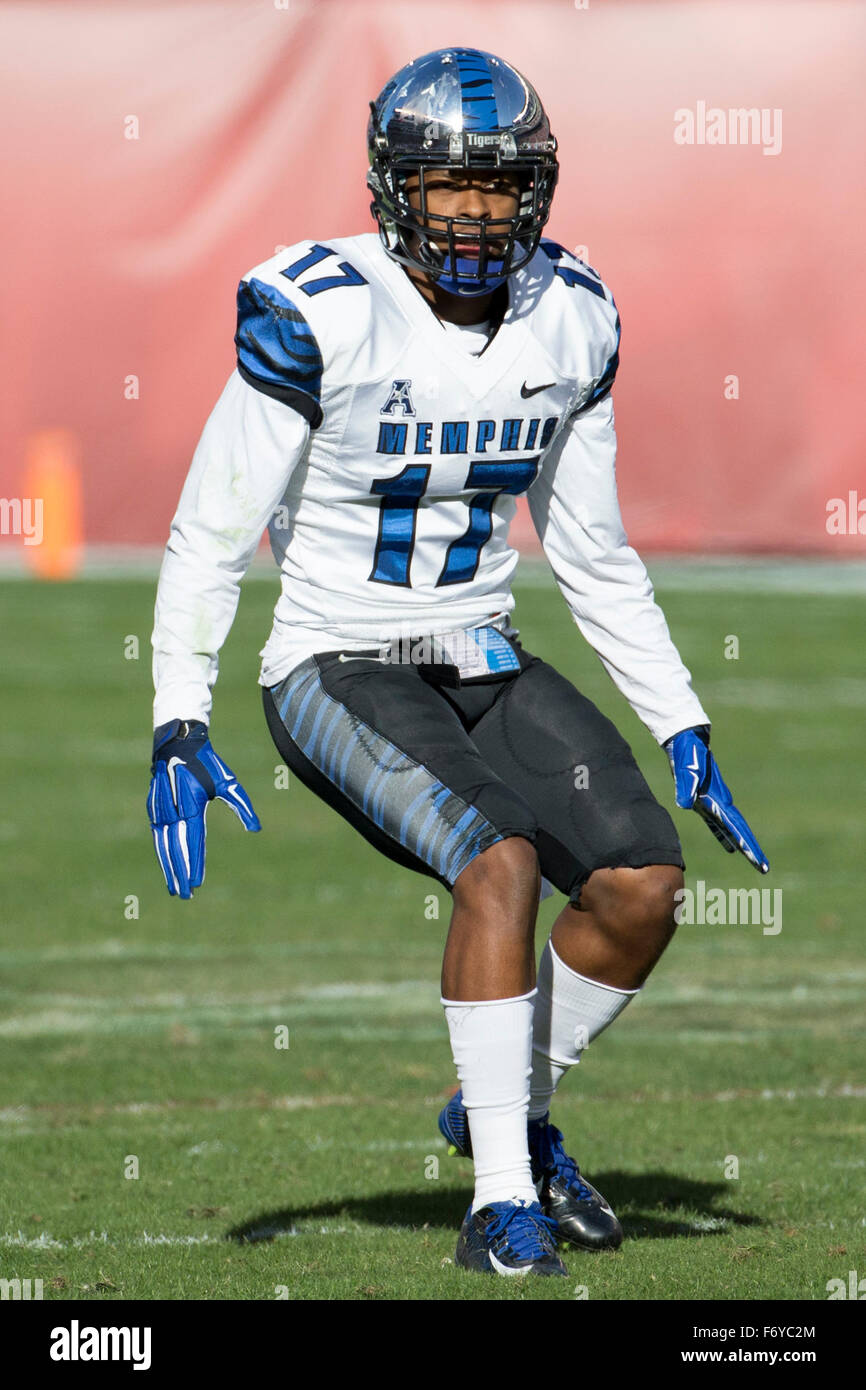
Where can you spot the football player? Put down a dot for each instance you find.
(394, 393)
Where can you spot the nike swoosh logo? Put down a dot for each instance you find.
(534, 390)
(503, 1269)
(172, 777)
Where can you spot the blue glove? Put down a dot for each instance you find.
(187, 774)
(700, 788)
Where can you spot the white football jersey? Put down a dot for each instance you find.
(385, 454)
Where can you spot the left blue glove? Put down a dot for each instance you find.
(699, 787)
(186, 775)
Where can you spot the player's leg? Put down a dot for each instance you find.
(602, 947)
(619, 925)
(490, 951)
(599, 953)
(488, 980)
(605, 842)
(488, 991)
(602, 839)
(384, 749)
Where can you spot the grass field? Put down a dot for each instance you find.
(137, 1025)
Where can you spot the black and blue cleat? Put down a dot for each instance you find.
(511, 1238)
(582, 1216)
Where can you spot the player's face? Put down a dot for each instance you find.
(492, 196)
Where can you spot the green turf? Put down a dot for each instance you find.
(154, 1035)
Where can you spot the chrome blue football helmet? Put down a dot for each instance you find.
(459, 108)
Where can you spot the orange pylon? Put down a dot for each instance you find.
(53, 529)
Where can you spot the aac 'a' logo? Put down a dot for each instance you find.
(399, 395)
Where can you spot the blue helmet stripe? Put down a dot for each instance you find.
(476, 89)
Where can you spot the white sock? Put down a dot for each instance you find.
(491, 1041)
(569, 1012)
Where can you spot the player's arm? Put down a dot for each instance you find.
(576, 513)
(575, 509)
(239, 474)
(241, 468)
(255, 438)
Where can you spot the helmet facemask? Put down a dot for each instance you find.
(432, 242)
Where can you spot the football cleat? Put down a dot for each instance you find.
(454, 1127)
(511, 1238)
(582, 1216)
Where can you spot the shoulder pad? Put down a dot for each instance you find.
(574, 271)
(593, 317)
(277, 350)
(289, 330)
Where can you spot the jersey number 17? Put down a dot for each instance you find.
(398, 513)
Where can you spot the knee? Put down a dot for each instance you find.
(634, 902)
(506, 873)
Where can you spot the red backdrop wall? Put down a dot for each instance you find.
(122, 255)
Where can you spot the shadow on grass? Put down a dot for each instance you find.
(654, 1206)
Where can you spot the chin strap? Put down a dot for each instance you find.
(434, 257)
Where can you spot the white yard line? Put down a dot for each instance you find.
(17, 1240)
(410, 1009)
(23, 1114)
(774, 574)
(114, 949)
(64, 1013)
(730, 573)
(775, 693)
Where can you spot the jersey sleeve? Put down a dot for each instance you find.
(575, 510)
(278, 354)
(241, 468)
(607, 363)
(582, 323)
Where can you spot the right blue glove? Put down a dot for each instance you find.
(699, 787)
(186, 775)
